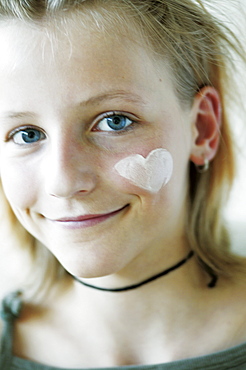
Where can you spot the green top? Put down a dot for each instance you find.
(233, 358)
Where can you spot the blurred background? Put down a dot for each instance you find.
(235, 17)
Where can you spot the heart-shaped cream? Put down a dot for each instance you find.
(150, 173)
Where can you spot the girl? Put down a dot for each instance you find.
(116, 157)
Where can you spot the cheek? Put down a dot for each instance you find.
(19, 186)
(150, 173)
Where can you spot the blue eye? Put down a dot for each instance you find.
(115, 122)
(27, 136)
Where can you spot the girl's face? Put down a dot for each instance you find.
(70, 110)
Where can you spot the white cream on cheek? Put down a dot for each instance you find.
(150, 173)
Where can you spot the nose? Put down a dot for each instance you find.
(69, 171)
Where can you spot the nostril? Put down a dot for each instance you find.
(68, 186)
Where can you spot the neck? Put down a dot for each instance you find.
(164, 306)
(185, 274)
(150, 279)
(156, 314)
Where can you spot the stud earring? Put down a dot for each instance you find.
(204, 167)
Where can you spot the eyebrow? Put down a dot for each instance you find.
(94, 100)
(17, 115)
(114, 95)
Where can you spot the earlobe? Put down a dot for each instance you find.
(206, 125)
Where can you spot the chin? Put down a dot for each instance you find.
(87, 270)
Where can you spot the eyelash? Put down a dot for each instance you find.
(111, 115)
(23, 129)
(128, 127)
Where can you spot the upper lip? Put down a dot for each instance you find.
(87, 216)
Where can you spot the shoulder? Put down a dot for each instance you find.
(220, 318)
(1, 330)
(10, 308)
(1, 321)
(230, 307)
(239, 297)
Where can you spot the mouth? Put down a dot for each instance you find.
(86, 220)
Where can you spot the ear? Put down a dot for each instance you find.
(206, 121)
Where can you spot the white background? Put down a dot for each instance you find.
(235, 11)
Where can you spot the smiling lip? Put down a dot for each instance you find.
(86, 220)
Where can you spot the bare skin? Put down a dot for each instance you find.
(69, 169)
(158, 323)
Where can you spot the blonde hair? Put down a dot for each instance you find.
(200, 50)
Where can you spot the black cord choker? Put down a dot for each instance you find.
(157, 276)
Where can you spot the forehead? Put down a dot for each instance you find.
(51, 34)
(67, 60)
(63, 39)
